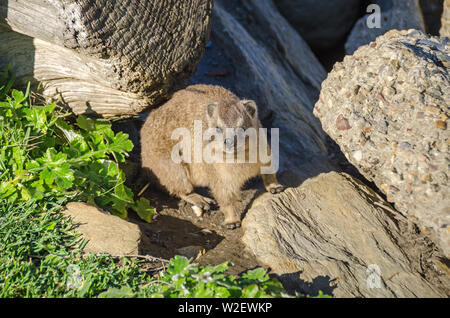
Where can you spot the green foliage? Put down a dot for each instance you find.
(41, 256)
(186, 280)
(45, 158)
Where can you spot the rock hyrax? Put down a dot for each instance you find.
(220, 111)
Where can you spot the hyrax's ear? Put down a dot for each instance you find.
(250, 107)
(211, 110)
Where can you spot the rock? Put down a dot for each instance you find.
(323, 24)
(395, 94)
(335, 234)
(398, 14)
(432, 12)
(280, 72)
(105, 233)
(445, 20)
(193, 252)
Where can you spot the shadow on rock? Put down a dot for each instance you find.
(294, 284)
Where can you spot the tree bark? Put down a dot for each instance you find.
(110, 58)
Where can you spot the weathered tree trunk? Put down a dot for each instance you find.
(111, 58)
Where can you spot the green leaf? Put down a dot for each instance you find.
(37, 117)
(178, 265)
(250, 291)
(121, 146)
(259, 274)
(144, 210)
(86, 123)
(123, 292)
(18, 96)
(67, 130)
(84, 289)
(221, 292)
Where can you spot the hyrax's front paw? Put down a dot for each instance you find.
(275, 188)
(199, 203)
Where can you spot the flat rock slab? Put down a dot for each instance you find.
(335, 234)
(105, 233)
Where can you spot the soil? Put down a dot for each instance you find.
(176, 226)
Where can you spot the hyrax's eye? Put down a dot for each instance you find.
(218, 130)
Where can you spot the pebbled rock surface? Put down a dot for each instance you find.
(387, 107)
(335, 234)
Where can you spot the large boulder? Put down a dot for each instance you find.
(102, 57)
(445, 21)
(323, 24)
(387, 108)
(335, 234)
(398, 14)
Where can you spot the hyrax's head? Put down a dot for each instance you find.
(231, 121)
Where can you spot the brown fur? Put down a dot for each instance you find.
(215, 107)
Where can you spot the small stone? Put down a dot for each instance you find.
(432, 167)
(393, 189)
(426, 177)
(342, 123)
(440, 124)
(193, 251)
(432, 110)
(357, 155)
(197, 211)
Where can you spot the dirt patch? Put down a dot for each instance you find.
(176, 226)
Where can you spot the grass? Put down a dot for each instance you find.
(41, 256)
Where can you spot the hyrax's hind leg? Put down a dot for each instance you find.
(175, 179)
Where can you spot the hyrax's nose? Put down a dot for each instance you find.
(229, 142)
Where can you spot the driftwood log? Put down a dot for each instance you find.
(109, 58)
